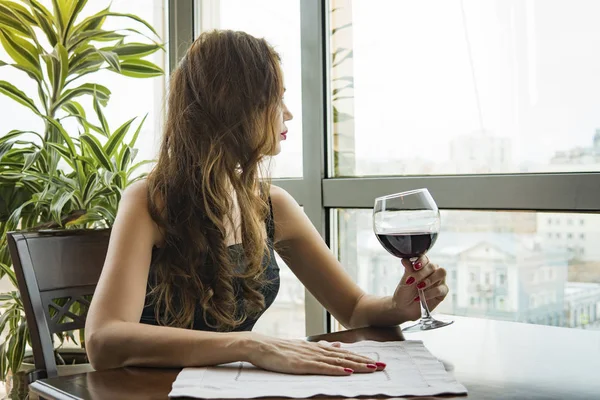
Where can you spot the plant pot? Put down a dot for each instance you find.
(75, 359)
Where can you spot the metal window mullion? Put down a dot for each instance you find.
(556, 192)
(314, 122)
(181, 29)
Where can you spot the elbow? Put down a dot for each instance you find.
(101, 354)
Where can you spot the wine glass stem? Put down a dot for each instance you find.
(425, 314)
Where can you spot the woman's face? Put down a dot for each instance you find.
(281, 131)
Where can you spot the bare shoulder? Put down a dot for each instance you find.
(134, 207)
(290, 220)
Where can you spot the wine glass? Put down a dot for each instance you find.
(407, 225)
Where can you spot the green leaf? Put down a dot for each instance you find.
(137, 132)
(45, 21)
(7, 271)
(101, 93)
(16, 133)
(90, 186)
(74, 12)
(11, 91)
(97, 150)
(61, 17)
(101, 118)
(125, 158)
(81, 39)
(60, 199)
(117, 138)
(130, 16)
(8, 19)
(91, 23)
(111, 58)
(133, 50)
(63, 151)
(23, 52)
(74, 108)
(30, 159)
(139, 68)
(16, 347)
(66, 137)
(63, 59)
(138, 165)
(107, 214)
(85, 219)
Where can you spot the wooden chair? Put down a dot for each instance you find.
(55, 269)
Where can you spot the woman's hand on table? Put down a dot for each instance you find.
(425, 275)
(301, 357)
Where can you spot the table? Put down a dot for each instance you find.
(493, 359)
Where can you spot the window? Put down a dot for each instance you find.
(279, 23)
(459, 247)
(478, 97)
(582, 236)
(129, 97)
(500, 303)
(569, 236)
(453, 275)
(286, 316)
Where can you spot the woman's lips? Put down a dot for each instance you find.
(284, 135)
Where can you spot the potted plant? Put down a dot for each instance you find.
(63, 177)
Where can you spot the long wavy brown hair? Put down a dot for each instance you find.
(224, 99)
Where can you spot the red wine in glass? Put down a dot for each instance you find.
(407, 225)
(407, 245)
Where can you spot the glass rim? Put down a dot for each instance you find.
(408, 192)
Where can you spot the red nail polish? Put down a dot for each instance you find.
(410, 281)
(371, 366)
(421, 285)
(418, 265)
(348, 370)
(380, 364)
(417, 298)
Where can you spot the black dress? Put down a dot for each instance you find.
(269, 291)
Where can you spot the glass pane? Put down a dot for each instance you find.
(478, 86)
(540, 268)
(286, 317)
(130, 97)
(279, 23)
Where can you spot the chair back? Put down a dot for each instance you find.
(57, 272)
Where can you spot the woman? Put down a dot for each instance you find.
(191, 266)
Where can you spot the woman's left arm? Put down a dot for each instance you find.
(304, 251)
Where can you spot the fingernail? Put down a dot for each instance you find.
(380, 364)
(348, 370)
(416, 298)
(372, 366)
(421, 285)
(410, 281)
(418, 265)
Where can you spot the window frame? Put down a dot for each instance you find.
(320, 193)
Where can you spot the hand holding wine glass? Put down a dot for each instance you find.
(407, 225)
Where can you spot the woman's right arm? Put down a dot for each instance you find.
(115, 337)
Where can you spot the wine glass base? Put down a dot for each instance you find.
(427, 325)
